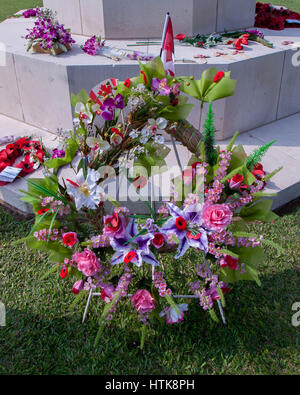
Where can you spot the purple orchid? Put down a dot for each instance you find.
(107, 109)
(109, 105)
(119, 101)
(58, 153)
(161, 86)
(187, 226)
(133, 248)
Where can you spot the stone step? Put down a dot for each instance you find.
(36, 88)
(285, 152)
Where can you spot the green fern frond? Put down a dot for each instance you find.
(209, 137)
(255, 157)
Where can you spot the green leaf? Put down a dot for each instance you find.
(260, 211)
(213, 315)
(70, 152)
(251, 257)
(81, 97)
(232, 141)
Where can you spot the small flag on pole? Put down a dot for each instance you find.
(167, 47)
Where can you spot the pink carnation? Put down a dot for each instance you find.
(216, 216)
(143, 301)
(87, 262)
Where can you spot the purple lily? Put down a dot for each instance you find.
(133, 248)
(161, 86)
(187, 226)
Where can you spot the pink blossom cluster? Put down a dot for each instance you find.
(121, 287)
(214, 193)
(247, 196)
(56, 205)
(100, 241)
(161, 285)
(47, 234)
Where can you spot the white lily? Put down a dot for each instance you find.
(86, 192)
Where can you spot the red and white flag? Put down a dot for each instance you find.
(167, 47)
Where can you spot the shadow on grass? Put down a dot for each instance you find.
(255, 340)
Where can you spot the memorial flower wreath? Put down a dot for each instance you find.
(31, 152)
(109, 248)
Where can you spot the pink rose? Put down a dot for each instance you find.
(115, 225)
(216, 216)
(143, 301)
(87, 262)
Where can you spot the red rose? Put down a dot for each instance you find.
(70, 239)
(219, 76)
(158, 240)
(180, 37)
(236, 181)
(230, 261)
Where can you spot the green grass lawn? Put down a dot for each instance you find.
(43, 336)
(9, 7)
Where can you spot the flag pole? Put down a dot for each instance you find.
(164, 32)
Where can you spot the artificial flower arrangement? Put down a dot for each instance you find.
(48, 35)
(275, 17)
(120, 253)
(235, 39)
(30, 152)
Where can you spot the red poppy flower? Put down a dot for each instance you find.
(63, 273)
(4, 156)
(42, 211)
(145, 77)
(21, 142)
(4, 164)
(26, 166)
(127, 83)
(230, 261)
(219, 76)
(130, 256)
(12, 151)
(181, 223)
(113, 223)
(180, 37)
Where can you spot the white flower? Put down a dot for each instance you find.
(159, 139)
(83, 112)
(97, 143)
(86, 192)
(159, 123)
(141, 88)
(134, 134)
(172, 316)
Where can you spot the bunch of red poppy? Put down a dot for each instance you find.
(270, 18)
(23, 146)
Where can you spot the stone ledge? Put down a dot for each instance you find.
(285, 152)
(36, 88)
